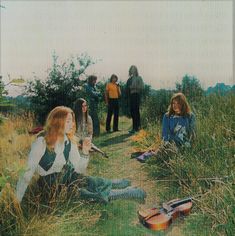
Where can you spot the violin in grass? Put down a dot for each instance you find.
(160, 219)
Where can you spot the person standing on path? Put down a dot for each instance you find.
(112, 95)
(93, 96)
(134, 89)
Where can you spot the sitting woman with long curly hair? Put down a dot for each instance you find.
(178, 128)
(54, 156)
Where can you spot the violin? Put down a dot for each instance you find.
(160, 219)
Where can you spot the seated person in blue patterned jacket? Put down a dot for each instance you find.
(178, 128)
(179, 122)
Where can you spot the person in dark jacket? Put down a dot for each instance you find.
(93, 96)
(134, 88)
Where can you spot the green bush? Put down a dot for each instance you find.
(155, 106)
(62, 86)
(190, 86)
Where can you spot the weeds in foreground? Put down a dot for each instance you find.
(207, 170)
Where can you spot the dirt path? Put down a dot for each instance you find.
(119, 147)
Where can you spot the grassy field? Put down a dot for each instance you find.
(206, 172)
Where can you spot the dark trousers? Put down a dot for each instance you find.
(51, 185)
(135, 110)
(113, 108)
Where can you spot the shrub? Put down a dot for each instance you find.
(3, 100)
(155, 106)
(62, 86)
(190, 87)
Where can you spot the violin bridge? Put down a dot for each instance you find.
(166, 207)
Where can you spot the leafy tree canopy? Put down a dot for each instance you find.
(190, 87)
(62, 86)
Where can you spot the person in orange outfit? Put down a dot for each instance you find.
(112, 95)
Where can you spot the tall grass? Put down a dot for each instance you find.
(205, 172)
(14, 145)
(58, 215)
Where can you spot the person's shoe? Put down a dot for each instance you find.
(105, 155)
(87, 195)
(131, 131)
(117, 130)
(131, 193)
(108, 131)
(145, 156)
(120, 183)
(136, 154)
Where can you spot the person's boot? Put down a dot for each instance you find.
(87, 195)
(120, 183)
(131, 193)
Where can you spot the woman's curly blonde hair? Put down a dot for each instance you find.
(55, 125)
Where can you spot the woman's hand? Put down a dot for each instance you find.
(87, 142)
(86, 146)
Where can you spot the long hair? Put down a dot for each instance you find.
(133, 71)
(55, 125)
(113, 76)
(91, 78)
(181, 99)
(78, 111)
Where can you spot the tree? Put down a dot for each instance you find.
(190, 87)
(2, 90)
(7, 103)
(3, 101)
(62, 86)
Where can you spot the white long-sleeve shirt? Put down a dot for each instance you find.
(38, 149)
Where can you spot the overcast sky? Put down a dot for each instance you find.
(164, 39)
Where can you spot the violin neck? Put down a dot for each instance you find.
(180, 202)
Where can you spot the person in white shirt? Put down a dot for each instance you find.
(54, 156)
(84, 130)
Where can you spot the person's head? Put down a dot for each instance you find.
(80, 110)
(113, 78)
(91, 80)
(133, 71)
(60, 121)
(179, 105)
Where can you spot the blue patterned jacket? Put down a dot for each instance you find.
(178, 129)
